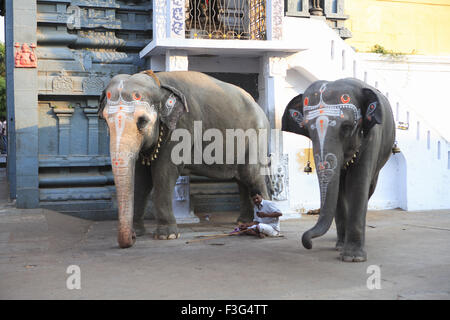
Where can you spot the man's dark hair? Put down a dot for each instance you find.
(254, 192)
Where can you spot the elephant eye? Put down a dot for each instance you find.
(345, 98)
(141, 122)
(137, 96)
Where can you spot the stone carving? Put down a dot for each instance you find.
(93, 85)
(62, 83)
(280, 179)
(180, 193)
(25, 56)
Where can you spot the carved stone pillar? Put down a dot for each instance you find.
(64, 115)
(91, 114)
(22, 103)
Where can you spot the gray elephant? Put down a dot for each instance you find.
(142, 111)
(352, 130)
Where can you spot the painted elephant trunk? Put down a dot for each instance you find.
(124, 181)
(328, 172)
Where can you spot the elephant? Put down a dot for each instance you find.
(143, 112)
(352, 129)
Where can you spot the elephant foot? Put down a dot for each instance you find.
(353, 255)
(139, 228)
(171, 236)
(339, 245)
(126, 239)
(166, 233)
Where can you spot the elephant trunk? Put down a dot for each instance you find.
(328, 172)
(124, 181)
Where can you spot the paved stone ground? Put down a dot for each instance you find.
(412, 250)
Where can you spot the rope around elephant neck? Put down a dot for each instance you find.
(147, 160)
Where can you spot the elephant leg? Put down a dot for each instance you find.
(166, 174)
(357, 186)
(250, 178)
(340, 217)
(142, 189)
(246, 204)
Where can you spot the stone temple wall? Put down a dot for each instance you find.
(80, 46)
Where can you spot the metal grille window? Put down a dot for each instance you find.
(226, 19)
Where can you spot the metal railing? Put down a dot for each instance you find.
(226, 19)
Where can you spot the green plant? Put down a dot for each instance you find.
(384, 52)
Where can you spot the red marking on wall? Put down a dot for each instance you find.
(25, 56)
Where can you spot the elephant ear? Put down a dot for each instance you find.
(293, 120)
(101, 105)
(174, 106)
(372, 110)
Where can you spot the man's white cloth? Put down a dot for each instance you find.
(268, 226)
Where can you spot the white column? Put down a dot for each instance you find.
(274, 73)
(176, 60)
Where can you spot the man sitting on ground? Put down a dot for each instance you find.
(266, 220)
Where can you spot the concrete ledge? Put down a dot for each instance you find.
(220, 47)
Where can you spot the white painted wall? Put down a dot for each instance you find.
(416, 179)
(422, 81)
